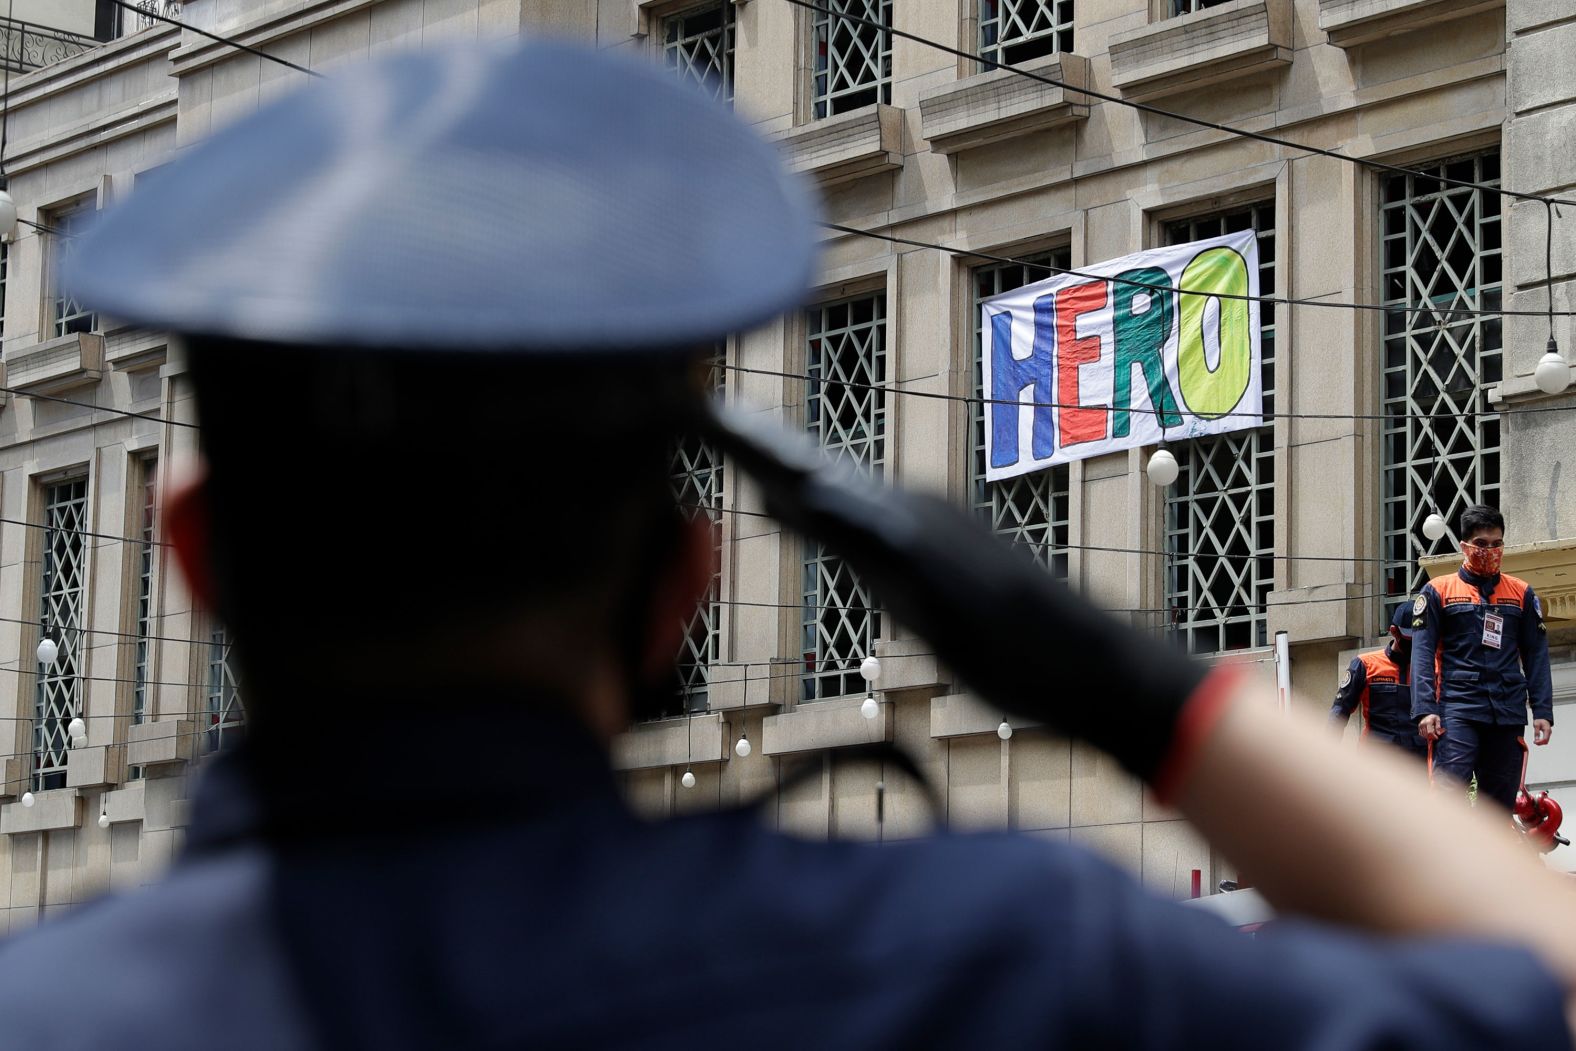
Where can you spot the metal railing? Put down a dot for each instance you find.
(25, 46)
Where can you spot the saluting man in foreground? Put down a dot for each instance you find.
(418, 300)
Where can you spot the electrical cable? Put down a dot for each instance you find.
(1273, 140)
(125, 5)
(1208, 294)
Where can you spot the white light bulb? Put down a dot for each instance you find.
(1004, 731)
(869, 708)
(742, 749)
(27, 799)
(1162, 469)
(688, 780)
(1553, 373)
(7, 216)
(103, 820)
(47, 652)
(77, 728)
(1434, 526)
(80, 741)
(870, 669)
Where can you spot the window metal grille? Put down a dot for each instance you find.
(226, 713)
(5, 267)
(1440, 246)
(66, 225)
(697, 485)
(144, 646)
(847, 345)
(1220, 512)
(64, 582)
(853, 61)
(1187, 7)
(1030, 509)
(129, 22)
(698, 45)
(1014, 31)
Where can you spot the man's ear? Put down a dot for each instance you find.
(188, 530)
(682, 587)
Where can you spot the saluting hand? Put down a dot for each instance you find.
(1542, 730)
(1431, 728)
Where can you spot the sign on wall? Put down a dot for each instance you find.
(1075, 367)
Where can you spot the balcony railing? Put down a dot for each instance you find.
(25, 46)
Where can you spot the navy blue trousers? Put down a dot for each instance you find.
(1488, 750)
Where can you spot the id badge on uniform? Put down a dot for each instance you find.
(1493, 630)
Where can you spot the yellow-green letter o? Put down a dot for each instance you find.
(1211, 394)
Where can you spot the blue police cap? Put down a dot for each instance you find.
(543, 197)
(1402, 618)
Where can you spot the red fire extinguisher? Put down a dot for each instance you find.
(1537, 818)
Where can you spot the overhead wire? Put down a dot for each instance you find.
(1144, 107)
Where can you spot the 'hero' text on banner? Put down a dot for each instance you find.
(1076, 367)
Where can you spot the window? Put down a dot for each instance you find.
(143, 649)
(1220, 513)
(226, 715)
(845, 410)
(853, 61)
(1014, 31)
(64, 566)
(697, 44)
(1187, 7)
(129, 22)
(1031, 509)
(697, 485)
(65, 226)
(1440, 247)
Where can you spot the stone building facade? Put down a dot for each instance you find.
(1309, 525)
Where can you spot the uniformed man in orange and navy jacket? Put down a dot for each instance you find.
(1480, 656)
(1380, 684)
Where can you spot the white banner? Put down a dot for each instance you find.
(1076, 367)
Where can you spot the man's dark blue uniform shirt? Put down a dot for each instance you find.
(524, 906)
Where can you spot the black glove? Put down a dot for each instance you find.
(1021, 639)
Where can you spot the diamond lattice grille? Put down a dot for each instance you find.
(59, 696)
(1031, 509)
(1440, 247)
(853, 61)
(226, 714)
(1187, 7)
(698, 45)
(697, 485)
(1220, 512)
(143, 646)
(845, 410)
(1014, 31)
(66, 226)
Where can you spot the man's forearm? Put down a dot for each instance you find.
(1358, 838)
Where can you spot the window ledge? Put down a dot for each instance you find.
(158, 743)
(134, 349)
(1206, 47)
(965, 715)
(1351, 23)
(909, 664)
(1316, 613)
(52, 809)
(94, 767)
(846, 147)
(57, 365)
(671, 742)
(999, 105)
(836, 723)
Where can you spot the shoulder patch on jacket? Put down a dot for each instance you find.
(1418, 606)
(1346, 679)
